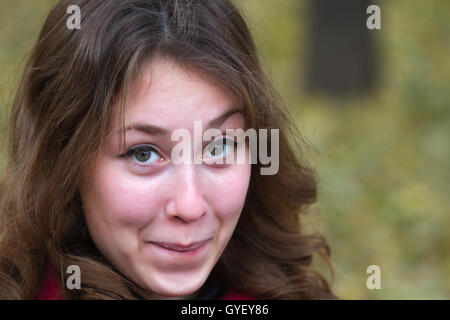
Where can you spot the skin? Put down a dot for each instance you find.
(129, 205)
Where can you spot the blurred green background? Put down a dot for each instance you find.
(382, 156)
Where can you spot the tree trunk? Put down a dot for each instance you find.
(340, 57)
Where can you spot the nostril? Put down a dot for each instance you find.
(185, 211)
(179, 219)
(189, 216)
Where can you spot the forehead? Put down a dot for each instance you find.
(168, 94)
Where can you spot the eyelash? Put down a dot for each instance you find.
(145, 147)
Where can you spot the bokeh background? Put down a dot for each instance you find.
(375, 106)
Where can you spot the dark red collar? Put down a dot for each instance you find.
(49, 288)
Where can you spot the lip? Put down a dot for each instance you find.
(180, 248)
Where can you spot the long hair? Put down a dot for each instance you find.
(59, 121)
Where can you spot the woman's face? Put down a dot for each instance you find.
(165, 225)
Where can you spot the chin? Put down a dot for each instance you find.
(177, 286)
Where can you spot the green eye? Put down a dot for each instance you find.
(219, 148)
(143, 154)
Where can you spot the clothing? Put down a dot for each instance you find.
(50, 289)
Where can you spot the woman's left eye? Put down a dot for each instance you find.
(143, 155)
(219, 147)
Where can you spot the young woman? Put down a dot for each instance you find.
(90, 181)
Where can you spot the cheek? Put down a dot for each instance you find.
(117, 197)
(229, 190)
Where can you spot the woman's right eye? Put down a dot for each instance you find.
(143, 155)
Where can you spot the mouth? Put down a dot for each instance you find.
(195, 246)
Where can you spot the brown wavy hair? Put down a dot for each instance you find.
(59, 120)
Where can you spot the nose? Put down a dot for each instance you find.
(187, 202)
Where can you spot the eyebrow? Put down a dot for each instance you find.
(155, 130)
